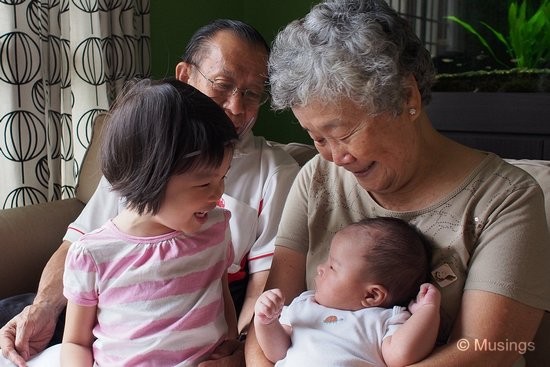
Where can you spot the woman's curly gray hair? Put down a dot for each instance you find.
(357, 49)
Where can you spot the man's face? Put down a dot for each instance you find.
(233, 62)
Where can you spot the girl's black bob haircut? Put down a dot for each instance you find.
(157, 129)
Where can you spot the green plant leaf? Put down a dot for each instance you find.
(471, 29)
(528, 39)
(502, 39)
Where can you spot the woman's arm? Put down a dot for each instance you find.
(487, 321)
(287, 273)
(76, 349)
(255, 287)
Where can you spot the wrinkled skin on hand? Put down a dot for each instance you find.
(28, 333)
(229, 354)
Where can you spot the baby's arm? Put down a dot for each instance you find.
(415, 339)
(274, 338)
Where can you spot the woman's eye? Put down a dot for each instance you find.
(346, 138)
(318, 141)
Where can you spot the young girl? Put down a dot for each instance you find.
(150, 286)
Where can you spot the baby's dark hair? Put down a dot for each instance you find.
(158, 129)
(399, 258)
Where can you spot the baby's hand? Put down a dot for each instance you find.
(428, 295)
(269, 306)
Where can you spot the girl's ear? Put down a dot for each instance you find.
(374, 295)
(182, 71)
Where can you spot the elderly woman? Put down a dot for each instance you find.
(358, 80)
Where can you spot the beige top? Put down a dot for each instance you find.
(489, 234)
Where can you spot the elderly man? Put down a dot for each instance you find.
(226, 60)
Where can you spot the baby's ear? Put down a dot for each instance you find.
(374, 295)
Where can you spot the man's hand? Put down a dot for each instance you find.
(228, 354)
(28, 333)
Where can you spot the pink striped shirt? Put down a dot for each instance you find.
(159, 299)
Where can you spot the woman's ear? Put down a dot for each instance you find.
(413, 106)
(374, 295)
(182, 71)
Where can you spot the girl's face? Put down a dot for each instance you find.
(191, 195)
(377, 150)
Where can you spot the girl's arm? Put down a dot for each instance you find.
(230, 313)
(415, 339)
(76, 349)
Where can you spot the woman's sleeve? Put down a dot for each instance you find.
(293, 229)
(513, 252)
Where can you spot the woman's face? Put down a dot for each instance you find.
(377, 150)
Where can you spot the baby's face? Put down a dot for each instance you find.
(340, 282)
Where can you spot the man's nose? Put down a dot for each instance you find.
(235, 103)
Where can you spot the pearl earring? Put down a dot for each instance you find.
(412, 111)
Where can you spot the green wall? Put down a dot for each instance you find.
(174, 21)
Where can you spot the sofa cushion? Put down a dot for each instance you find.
(540, 170)
(300, 152)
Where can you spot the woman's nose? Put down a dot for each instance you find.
(340, 154)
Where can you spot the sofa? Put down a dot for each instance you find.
(30, 235)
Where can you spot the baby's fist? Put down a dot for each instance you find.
(269, 306)
(428, 295)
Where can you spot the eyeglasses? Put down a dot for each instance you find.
(228, 89)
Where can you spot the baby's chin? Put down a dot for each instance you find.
(318, 298)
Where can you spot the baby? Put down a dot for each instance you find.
(356, 316)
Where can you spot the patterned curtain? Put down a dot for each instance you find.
(62, 62)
